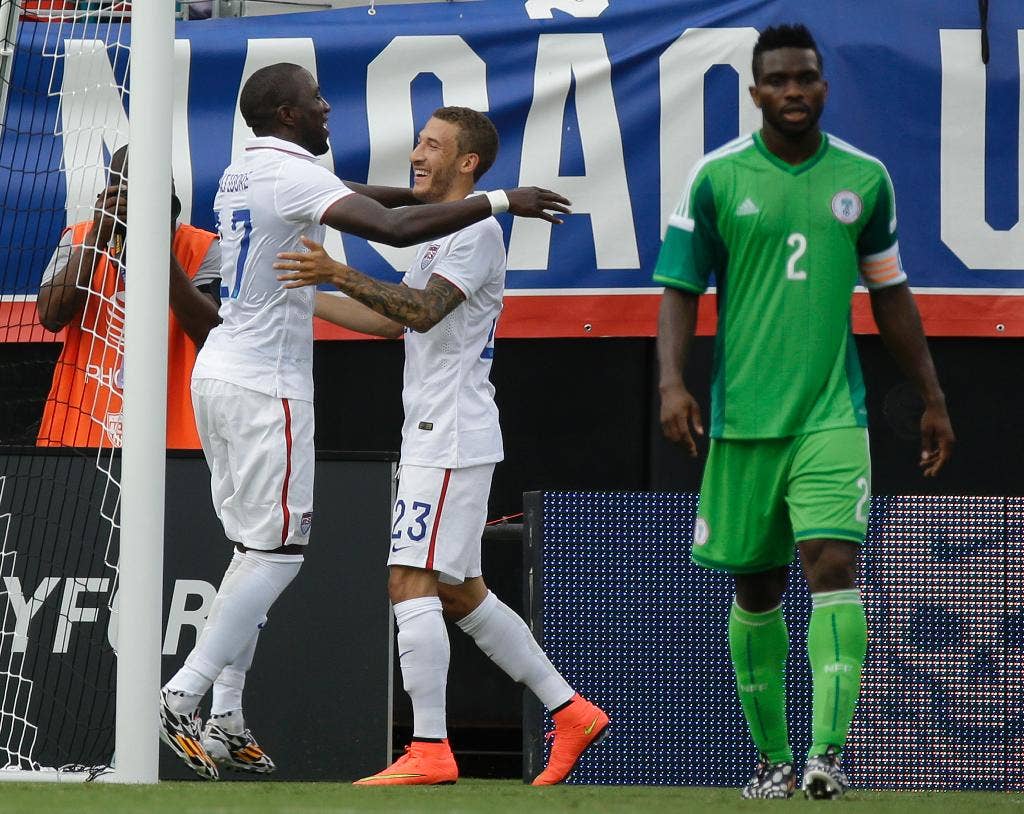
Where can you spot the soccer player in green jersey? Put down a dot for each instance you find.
(785, 219)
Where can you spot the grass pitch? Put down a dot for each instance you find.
(468, 797)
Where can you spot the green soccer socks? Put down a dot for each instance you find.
(836, 644)
(759, 643)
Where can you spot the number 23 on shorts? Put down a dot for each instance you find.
(410, 521)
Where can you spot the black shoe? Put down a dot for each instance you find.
(823, 779)
(771, 781)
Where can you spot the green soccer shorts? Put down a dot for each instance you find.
(759, 498)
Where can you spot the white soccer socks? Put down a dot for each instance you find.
(227, 689)
(424, 653)
(243, 601)
(504, 637)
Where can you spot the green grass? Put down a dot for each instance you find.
(468, 797)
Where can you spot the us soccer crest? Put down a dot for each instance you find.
(113, 423)
(305, 523)
(429, 255)
(847, 206)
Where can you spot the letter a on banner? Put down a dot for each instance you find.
(542, 9)
(602, 191)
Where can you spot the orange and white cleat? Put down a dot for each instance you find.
(181, 733)
(424, 763)
(578, 726)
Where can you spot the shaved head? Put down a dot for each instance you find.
(269, 88)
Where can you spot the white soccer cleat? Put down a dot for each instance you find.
(238, 751)
(181, 733)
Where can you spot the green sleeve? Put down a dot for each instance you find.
(692, 249)
(879, 232)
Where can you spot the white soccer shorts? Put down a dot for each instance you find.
(260, 453)
(438, 519)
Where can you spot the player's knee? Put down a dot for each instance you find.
(410, 583)
(761, 592)
(457, 604)
(834, 570)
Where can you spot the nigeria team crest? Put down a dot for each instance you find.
(847, 206)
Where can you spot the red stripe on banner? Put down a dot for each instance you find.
(19, 322)
(613, 315)
(608, 315)
(287, 469)
(437, 521)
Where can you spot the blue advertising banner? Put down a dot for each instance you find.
(607, 101)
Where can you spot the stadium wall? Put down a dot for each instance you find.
(58, 668)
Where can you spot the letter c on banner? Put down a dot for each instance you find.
(463, 77)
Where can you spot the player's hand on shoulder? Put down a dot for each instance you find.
(535, 202)
(681, 418)
(310, 267)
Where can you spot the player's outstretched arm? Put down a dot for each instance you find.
(419, 309)
(899, 324)
(406, 226)
(389, 197)
(677, 323)
(352, 314)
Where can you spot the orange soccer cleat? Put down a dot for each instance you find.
(424, 764)
(578, 726)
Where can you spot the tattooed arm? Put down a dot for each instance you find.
(419, 309)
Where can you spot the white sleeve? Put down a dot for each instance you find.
(209, 269)
(474, 256)
(59, 258)
(304, 191)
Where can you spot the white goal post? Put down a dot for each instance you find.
(145, 394)
(131, 512)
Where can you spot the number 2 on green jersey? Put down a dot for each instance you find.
(798, 243)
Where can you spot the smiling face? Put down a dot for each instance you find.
(441, 172)
(308, 112)
(790, 91)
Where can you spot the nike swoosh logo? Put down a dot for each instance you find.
(388, 777)
(396, 548)
(590, 728)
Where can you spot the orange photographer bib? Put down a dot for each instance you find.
(84, 407)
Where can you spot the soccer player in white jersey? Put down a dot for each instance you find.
(252, 384)
(448, 306)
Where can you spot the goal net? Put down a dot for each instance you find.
(64, 104)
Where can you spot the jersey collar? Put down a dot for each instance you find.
(792, 169)
(279, 144)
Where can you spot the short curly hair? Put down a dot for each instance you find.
(796, 35)
(477, 134)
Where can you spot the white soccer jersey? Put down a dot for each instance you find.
(268, 198)
(451, 420)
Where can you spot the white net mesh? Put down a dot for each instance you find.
(64, 105)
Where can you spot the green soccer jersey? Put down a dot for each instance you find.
(785, 245)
